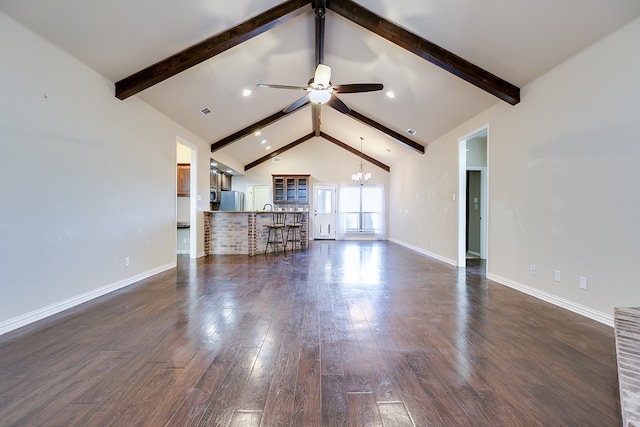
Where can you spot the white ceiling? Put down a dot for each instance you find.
(517, 40)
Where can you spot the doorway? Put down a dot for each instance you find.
(325, 212)
(475, 207)
(473, 196)
(258, 196)
(186, 202)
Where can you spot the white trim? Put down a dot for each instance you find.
(42, 313)
(598, 316)
(195, 196)
(462, 203)
(462, 198)
(427, 253)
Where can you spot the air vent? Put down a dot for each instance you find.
(276, 160)
(411, 131)
(206, 111)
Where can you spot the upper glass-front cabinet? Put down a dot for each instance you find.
(291, 188)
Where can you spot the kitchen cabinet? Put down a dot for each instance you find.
(291, 188)
(225, 181)
(184, 179)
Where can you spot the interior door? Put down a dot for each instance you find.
(325, 211)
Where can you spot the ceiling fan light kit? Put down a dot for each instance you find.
(319, 96)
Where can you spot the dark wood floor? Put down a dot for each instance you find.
(344, 333)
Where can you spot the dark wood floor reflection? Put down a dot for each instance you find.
(344, 333)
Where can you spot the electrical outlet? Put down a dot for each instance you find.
(532, 270)
(583, 283)
(558, 276)
(127, 261)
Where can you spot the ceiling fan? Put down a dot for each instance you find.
(321, 90)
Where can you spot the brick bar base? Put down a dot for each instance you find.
(233, 233)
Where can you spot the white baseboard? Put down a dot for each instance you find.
(427, 253)
(42, 313)
(598, 316)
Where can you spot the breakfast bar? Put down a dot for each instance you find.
(243, 232)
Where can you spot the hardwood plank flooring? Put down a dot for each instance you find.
(340, 334)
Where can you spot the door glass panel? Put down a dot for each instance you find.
(323, 200)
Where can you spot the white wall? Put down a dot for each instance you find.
(87, 180)
(563, 174)
(477, 152)
(423, 211)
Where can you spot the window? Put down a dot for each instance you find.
(361, 212)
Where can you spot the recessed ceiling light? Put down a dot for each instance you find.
(411, 131)
(229, 171)
(268, 147)
(206, 111)
(257, 133)
(246, 92)
(263, 141)
(390, 94)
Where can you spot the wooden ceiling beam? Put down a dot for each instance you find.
(354, 151)
(307, 137)
(279, 151)
(208, 48)
(393, 134)
(427, 50)
(251, 129)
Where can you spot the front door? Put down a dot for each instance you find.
(325, 211)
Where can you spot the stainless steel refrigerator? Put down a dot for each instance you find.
(231, 201)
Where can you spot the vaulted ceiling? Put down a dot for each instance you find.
(379, 41)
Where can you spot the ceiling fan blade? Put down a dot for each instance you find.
(358, 87)
(335, 102)
(299, 103)
(281, 86)
(322, 76)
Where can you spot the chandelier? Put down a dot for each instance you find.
(361, 177)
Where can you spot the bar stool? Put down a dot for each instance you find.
(277, 226)
(295, 229)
